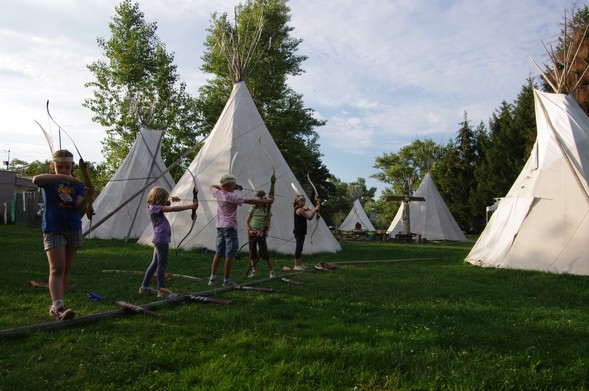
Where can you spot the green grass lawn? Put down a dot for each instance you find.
(434, 323)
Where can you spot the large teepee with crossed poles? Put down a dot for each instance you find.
(543, 221)
(240, 144)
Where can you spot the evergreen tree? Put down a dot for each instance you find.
(454, 176)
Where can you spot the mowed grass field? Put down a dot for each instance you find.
(390, 317)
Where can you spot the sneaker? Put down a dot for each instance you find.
(212, 281)
(252, 274)
(165, 292)
(299, 268)
(61, 313)
(272, 274)
(147, 289)
(228, 283)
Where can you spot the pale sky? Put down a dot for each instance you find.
(381, 72)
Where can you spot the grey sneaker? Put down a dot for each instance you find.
(252, 274)
(212, 281)
(228, 283)
(300, 268)
(272, 274)
(147, 289)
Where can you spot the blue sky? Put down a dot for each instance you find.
(382, 73)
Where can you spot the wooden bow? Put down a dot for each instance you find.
(193, 210)
(317, 207)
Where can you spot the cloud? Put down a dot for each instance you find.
(382, 73)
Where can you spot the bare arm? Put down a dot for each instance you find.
(257, 201)
(43, 179)
(178, 208)
(247, 223)
(308, 216)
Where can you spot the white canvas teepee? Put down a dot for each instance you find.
(357, 215)
(241, 144)
(430, 218)
(542, 223)
(143, 163)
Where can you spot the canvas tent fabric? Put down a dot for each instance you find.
(356, 215)
(542, 223)
(240, 144)
(430, 218)
(142, 164)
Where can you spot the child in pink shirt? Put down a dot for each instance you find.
(227, 242)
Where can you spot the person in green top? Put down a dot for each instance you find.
(257, 225)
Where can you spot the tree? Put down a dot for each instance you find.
(454, 175)
(568, 72)
(506, 149)
(271, 62)
(138, 82)
(412, 162)
(24, 169)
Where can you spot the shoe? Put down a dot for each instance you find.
(328, 266)
(165, 292)
(252, 274)
(61, 313)
(299, 268)
(272, 274)
(228, 283)
(147, 289)
(212, 281)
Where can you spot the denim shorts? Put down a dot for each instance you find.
(227, 243)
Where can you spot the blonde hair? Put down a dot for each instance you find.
(297, 199)
(61, 155)
(158, 196)
(227, 179)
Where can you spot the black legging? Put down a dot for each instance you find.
(300, 241)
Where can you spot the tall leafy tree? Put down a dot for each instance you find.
(412, 162)
(272, 61)
(137, 81)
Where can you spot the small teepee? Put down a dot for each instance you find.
(142, 163)
(430, 218)
(357, 216)
(543, 221)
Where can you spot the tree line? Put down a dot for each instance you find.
(137, 82)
